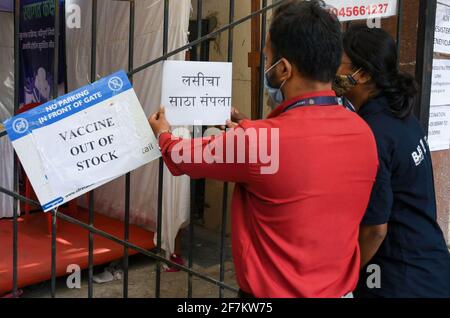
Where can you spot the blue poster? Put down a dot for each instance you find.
(37, 44)
(6, 5)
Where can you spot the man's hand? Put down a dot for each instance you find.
(159, 123)
(236, 116)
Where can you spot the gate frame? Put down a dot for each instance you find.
(424, 60)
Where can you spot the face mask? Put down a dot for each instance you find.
(276, 94)
(344, 83)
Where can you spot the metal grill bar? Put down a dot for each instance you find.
(55, 95)
(121, 242)
(193, 183)
(91, 194)
(16, 163)
(204, 38)
(128, 175)
(161, 164)
(223, 232)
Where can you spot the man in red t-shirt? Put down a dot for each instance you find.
(303, 176)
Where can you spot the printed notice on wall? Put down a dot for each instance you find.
(442, 29)
(439, 124)
(440, 87)
(439, 129)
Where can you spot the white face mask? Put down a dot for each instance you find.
(276, 94)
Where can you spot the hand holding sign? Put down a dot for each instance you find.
(159, 123)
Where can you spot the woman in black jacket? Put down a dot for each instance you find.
(403, 250)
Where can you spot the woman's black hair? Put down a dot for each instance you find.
(375, 52)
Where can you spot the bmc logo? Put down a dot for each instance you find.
(20, 125)
(419, 155)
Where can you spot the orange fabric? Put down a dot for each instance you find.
(34, 247)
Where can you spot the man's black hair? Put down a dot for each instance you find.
(308, 36)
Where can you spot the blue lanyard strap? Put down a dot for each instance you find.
(316, 101)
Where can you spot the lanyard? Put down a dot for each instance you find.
(316, 101)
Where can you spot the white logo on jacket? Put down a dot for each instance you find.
(419, 155)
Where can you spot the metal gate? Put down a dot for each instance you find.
(424, 58)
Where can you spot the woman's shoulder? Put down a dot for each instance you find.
(379, 116)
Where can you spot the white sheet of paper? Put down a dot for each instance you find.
(197, 93)
(440, 87)
(439, 128)
(442, 29)
(91, 158)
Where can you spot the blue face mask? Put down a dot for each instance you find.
(276, 94)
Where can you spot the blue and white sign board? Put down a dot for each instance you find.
(79, 141)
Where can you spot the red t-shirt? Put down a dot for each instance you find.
(294, 230)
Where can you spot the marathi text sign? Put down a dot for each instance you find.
(362, 9)
(197, 93)
(82, 140)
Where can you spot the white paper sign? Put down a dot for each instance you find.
(197, 93)
(439, 129)
(347, 10)
(440, 87)
(82, 140)
(442, 29)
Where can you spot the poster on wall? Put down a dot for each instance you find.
(37, 44)
(442, 29)
(7, 5)
(439, 128)
(349, 10)
(439, 123)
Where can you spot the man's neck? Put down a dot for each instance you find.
(300, 88)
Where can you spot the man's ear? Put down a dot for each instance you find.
(285, 70)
